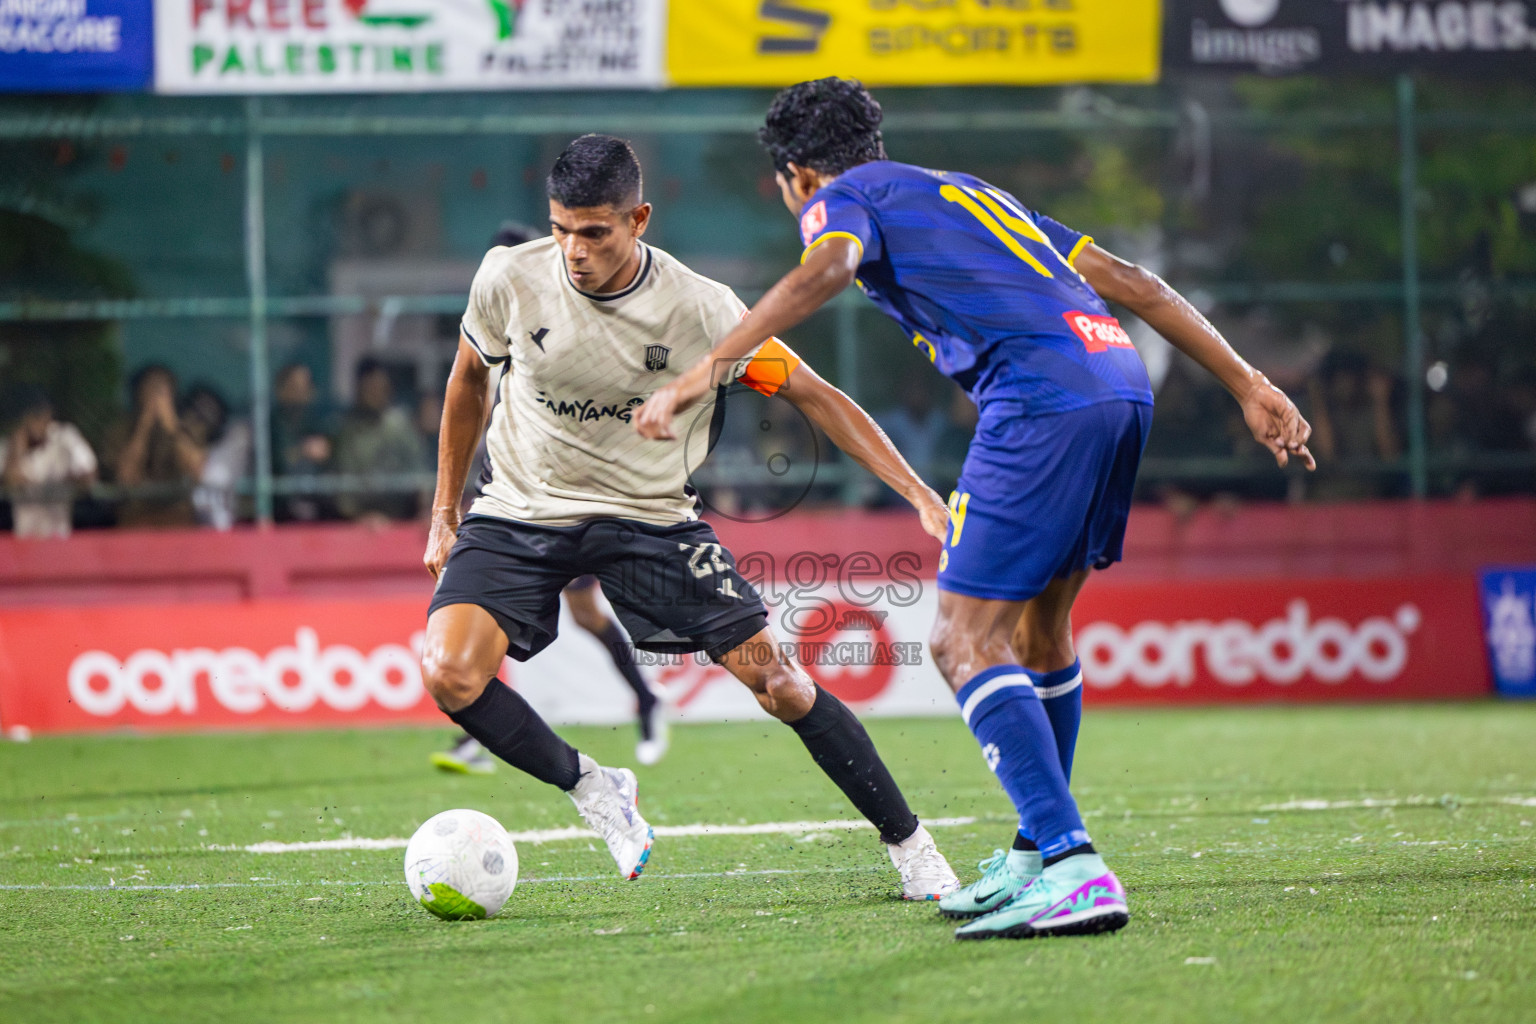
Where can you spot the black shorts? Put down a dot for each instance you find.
(674, 588)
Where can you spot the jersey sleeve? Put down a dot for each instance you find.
(489, 312)
(839, 213)
(1067, 242)
(767, 367)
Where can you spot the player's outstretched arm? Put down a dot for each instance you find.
(827, 270)
(855, 432)
(464, 407)
(1273, 418)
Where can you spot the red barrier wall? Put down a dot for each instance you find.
(319, 625)
(1365, 540)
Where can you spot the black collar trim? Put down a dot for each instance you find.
(645, 270)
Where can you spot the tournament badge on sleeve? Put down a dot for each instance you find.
(1508, 597)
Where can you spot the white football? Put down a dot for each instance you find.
(461, 865)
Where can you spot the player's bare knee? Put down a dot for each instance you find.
(452, 678)
(960, 651)
(787, 693)
(1042, 650)
(953, 648)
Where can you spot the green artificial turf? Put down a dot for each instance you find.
(1415, 901)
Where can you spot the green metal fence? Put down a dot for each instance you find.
(995, 126)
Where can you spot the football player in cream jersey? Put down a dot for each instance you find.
(587, 323)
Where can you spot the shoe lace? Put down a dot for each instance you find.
(604, 811)
(924, 861)
(994, 864)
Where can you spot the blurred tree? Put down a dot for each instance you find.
(77, 362)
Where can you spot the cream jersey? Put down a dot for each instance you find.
(577, 366)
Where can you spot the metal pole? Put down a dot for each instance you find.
(848, 380)
(1413, 334)
(256, 279)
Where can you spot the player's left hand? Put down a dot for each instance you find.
(935, 516)
(1277, 424)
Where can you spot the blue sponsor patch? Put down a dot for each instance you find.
(1508, 598)
(65, 46)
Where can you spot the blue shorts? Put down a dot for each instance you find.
(1041, 497)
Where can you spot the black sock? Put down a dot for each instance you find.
(841, 748)
(507, 726)
(1022, 842)
(624, 660)
(1063, 855)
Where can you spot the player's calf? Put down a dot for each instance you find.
(841, 748)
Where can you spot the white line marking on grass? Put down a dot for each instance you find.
(610, 877)
(555, 835)
(1406, 801)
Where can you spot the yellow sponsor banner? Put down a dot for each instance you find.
(913, 42)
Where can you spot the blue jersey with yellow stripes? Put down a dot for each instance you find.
(983, 286)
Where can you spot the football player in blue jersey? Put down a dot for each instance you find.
(1012, 306)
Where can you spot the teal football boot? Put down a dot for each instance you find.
(1076, 896)
(1004, 876)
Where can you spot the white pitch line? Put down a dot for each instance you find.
(555, 835)
(1407, 801)
(610, 877)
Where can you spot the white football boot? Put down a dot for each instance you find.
(651, 751)
(925, 874)
(609, 801)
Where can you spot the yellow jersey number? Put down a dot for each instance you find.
(1009, 224)
(959, 501)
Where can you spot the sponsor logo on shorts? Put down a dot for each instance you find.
(1237, 653)
(1097, 333)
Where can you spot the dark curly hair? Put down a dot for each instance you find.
(596, 170)
(828, 125)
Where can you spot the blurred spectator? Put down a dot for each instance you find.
(377, 437)
(301, 442)
(955, 441)
(429, 420)
(42, 465)
(151, 450)
(1352, 427)
(205, 417)
(916, 426)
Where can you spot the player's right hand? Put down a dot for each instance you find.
(1277, 424)
(440, 540)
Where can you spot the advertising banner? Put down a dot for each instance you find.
(75, 45)
(275, 664)
(304, 46)
(1509, 625)
(1461, 37)
(912, 42)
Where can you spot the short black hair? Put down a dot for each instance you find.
(29, 398)
(367, 366)
(147, 371)
(596, 170)
(827, 125)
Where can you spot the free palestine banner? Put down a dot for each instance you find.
(309, 46)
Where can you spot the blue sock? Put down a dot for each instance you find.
(1061, 693)
(1005, 714)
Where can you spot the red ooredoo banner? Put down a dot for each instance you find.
(265, 664)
